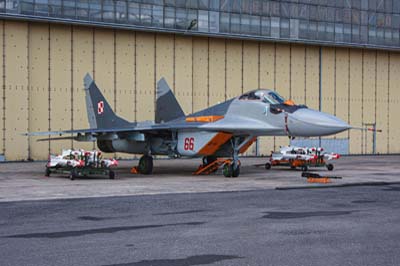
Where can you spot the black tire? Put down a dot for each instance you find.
(268, 165)
(329, 166)
(235, 172)
(48, 172)
(146, 165)
(227, 170)
(111, 174)
(304, 168)
(73, 174)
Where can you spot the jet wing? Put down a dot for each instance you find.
(236, 125)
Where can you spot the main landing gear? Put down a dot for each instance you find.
(145, 165)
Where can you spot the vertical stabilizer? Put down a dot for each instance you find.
(167, 107)
(100, 114)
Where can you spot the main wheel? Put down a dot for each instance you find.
(329, 166)
(268, 165)
(227, 170)
(235, 170)
(145, 165)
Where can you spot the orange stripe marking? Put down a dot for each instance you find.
(215, 143)
(204, 119)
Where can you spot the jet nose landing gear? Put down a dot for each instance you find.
(230, 169)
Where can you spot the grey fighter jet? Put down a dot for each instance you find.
(223, 130)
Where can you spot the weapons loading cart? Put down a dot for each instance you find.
(80, 164)
(301, 157)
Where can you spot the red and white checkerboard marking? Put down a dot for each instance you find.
(100, 107)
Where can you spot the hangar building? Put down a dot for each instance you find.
(339, 56)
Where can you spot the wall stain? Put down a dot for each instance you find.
(107, 230)
(295, 215)
(189, 261)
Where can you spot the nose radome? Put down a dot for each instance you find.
(307, 122)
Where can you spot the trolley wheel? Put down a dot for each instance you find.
(227, 170)
(73, 174)
(48, 172)
(268, 165)
(329, 166)
(111, 174)
(304, 168)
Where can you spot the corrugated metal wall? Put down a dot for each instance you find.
(43, 66)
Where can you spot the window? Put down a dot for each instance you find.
(265, 26)
(169, 19)
(181, 19)
(27, 7)
(108, 11)
(214, 21)
(225, 5)
(303, 29)
(245, 24)
(69, 8)
(347, 33)
(294, 28)
(355, 34)
(55, 8)
(203, 21)
(372, 35)
(285, 28)
(158, 16)
(95, 10)
(321, 31)
(330, 32)
(82, 9)
(255, 25)
(133, 13)
(275, 27)
(224, 22)
(339, 32)
(235, 23)
(120, 11)
(42, 7)
(312, 33)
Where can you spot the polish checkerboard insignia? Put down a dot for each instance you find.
(100, 107)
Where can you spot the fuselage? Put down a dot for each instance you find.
(253, 114)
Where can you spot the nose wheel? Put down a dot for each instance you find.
(230, 170)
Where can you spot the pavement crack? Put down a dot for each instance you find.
(295, 215)
(180, 212)
(107, 230)
(188, 261)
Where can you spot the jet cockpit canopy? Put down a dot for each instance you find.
(264, 95)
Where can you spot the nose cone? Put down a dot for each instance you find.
(308, 123)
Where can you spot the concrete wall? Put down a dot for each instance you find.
(43, 65)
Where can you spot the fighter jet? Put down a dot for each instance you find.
(223, 130)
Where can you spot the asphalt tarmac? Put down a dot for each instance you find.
(330, 226)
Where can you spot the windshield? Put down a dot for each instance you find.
(273, 98)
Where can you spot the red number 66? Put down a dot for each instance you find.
(189, 144)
